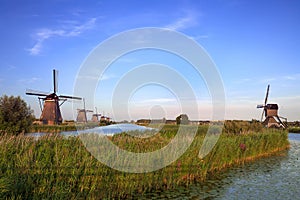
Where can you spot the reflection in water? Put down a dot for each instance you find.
(276, 177)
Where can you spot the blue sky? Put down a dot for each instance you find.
(252, 43)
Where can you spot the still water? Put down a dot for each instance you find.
(103, 130)
(276, 177)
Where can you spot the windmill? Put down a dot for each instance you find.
(95, 116)
(270, 111)
(104, 119)
(51, 103)
(81, 116)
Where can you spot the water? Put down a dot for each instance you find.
(105, 130)
(276, 177)
(108, 130)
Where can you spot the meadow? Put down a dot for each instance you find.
(61, 168)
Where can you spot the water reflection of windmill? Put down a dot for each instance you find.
(51, 113)
(82, 116)
(272, 119)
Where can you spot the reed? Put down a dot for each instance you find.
(54, 167)
(294, 129)
(60, 128)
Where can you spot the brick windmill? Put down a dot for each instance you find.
(81, 116)
(270, 111)
(51, 103)
(95, 117)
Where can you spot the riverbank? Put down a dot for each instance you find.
(56, 167)
(294, 129)
(60, 128)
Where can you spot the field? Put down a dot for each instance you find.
(56, 167)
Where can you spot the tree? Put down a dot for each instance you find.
(15, 116)
(182, 119)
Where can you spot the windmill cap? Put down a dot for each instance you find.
(272, 106)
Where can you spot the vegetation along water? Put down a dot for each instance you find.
(59, 167)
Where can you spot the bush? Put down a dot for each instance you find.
(182, 119)
(15, 116)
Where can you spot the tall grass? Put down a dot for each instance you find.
(59, 128)
(56, 167)
(294, 129)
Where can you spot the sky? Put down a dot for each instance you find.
(252, 44)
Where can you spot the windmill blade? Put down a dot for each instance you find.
(267, 95)
(260, 106)
(36, 93)
(70, 97)
(55, 80)
(262, 115)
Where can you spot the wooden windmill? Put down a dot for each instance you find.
(270, 111)
(81, 116)
(95, 117)
(51, 103)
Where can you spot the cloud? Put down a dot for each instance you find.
(71, 30)
(107, 77)
(190, 19)
(29, 80)
(197, 37)
(157, 100)
(96, 77)
(292, 77)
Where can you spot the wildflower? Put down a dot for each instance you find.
(178, 165)
(243, 146)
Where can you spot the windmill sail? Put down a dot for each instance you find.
(267, 95)
(36, 93)
(55, 80)
(70, 97)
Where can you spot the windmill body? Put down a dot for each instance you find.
(81, 116)
(95, 117)
(270, 112)
(51, 113)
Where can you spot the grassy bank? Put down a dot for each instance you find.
(60, 128)
(55, 167)
(294, 129)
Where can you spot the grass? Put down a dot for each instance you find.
(294, 129)
(60, 128)
(54, 167)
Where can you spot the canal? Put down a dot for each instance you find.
(275, 177)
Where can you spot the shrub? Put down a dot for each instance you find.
(15, 116)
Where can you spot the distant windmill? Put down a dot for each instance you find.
(104, 118)
(95, 116)
(270, 111)
(81, 116)
(51, 103)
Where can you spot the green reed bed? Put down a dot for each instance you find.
(294, 129)
(57, 167)
(60, 128)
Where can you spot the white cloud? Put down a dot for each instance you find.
(184, 22)
(71, 30)
(197, 37)
(158, 100)
(29, 80)
(107, 77)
